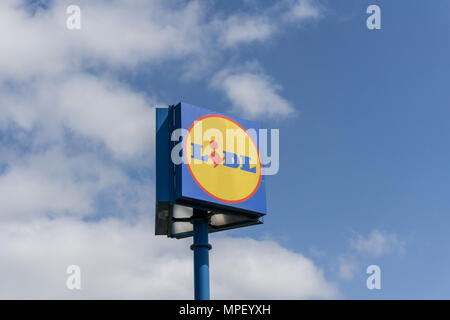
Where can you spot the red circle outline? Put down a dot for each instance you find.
(193, 176)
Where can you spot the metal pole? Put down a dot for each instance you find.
(201, 249)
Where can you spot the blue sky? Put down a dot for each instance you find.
(370, 142)
(363, 123)
(368, 148)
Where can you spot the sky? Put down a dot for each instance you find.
(363, 121)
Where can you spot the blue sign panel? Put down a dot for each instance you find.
(209, 161)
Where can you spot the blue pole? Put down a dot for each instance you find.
(201, 258)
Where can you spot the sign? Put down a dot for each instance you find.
(209, 161)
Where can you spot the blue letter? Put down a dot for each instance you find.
(246, 165)
(231, 160)
(197, 152)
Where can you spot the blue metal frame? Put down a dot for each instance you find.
(201, 249)
(175, 185)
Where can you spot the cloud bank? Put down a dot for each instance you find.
(121, 260)
(253, 94)
(76, 151)
(377, 243)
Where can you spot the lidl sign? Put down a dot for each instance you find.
(228, 176)
(210, 161)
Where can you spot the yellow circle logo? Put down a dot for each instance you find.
(222, 158)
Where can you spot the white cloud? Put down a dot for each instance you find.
(56, 183)
(119, 34)
(32, 193)
(377, 243)
(250, 269)
(59, 126)
(97, 108)
(107, 111)
(127, 34)
(122, 260)
(120, 257)
(301, 10)
(252, 94)
(245, 29)
(124, 34)
(248, 28)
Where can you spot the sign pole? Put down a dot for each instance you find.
(222, 189)
(201, 249)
